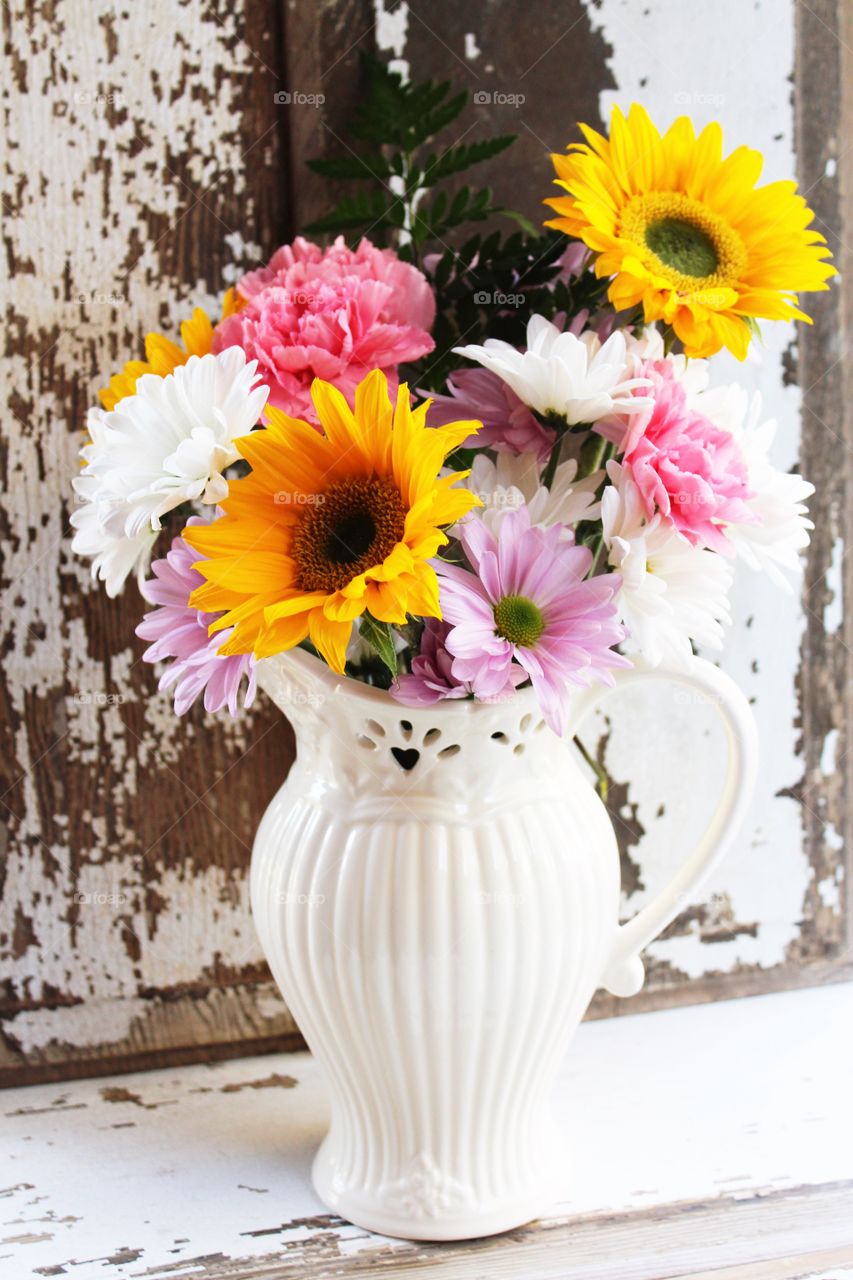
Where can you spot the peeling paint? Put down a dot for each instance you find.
(146, 170)
(833, 612)
(766, 879)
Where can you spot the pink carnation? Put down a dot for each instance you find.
(508, 425)
(329, 313)
(685, 466)
(180, 632)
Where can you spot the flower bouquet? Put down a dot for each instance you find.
(479, 470)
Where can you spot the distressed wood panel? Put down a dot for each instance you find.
(144, 164)
(144, 168)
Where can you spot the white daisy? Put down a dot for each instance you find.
(512, 481)
(576, 379)
(167, 444)
(672, 593)
(114, 555)
(773, 543)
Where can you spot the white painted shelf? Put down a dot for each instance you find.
(713, 1141)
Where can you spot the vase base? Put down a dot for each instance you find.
(432, 1222)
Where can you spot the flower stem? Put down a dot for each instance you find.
(547, 478)
(607, 452)
(592, 453)
(601, 779)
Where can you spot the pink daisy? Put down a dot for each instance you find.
(508, 425)
(432, 679)
(329, 313)
(529, 605)
(180, 632)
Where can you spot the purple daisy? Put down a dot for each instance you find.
(180, 632)
(432, 678)
(508, 425)
(529, 606)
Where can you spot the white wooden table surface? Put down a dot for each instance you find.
(714, 1141)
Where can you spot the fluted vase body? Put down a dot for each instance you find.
(437, 894)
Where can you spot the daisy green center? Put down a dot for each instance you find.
(519, 621)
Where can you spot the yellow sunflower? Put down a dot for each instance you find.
(163, 356)
(688, 233)
(331, 524)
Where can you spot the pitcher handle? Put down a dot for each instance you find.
(624, 973)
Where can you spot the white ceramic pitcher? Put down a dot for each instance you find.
(437, 893)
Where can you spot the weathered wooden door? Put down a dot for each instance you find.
(153, 153)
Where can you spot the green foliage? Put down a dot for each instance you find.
(381, 640)
(395, 122)
(490, 287)
(491, 283)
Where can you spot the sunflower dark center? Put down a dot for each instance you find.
(519, 620)
(683, 246)
(350, 528)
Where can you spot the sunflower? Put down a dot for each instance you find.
(163, 356)
(687, 233)
(331, 524)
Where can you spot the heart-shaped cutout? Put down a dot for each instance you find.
(406, 758)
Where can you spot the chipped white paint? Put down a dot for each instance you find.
(828, 754)
(833, 614)
(219, 1156)
(829, 890)
(392, 26)
(729, 62)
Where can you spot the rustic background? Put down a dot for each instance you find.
(147, 163)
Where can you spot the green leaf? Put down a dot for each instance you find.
(396, 113)
(360, 211)
(519, 219)
(456, 159)
(351, 166)
(379, 636)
